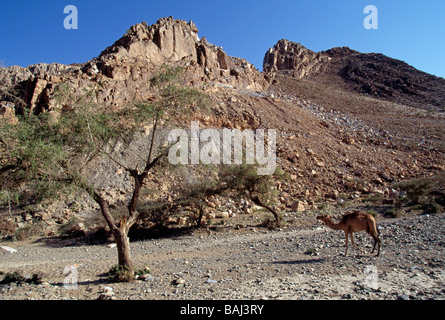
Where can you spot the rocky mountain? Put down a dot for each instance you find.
(372, 74)
(349, 124)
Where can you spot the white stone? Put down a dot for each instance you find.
(7, 250)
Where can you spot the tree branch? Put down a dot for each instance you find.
(104, 209)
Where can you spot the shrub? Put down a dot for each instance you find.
(427, 194)
(311, 251)
(29, 231)
(431, 208)
(393, 213)
(270, 224)
(416, 190)
(120, 273)
(71, 229)
(17, 277)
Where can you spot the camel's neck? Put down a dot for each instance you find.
(333, 226)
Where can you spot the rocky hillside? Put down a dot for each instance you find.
(371, 74)
(335, 139)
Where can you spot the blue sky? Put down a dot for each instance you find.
(32, 31)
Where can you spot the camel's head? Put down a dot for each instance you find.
(324, 218)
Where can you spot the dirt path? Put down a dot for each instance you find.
(254, 264)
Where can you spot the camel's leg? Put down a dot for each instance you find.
(346, 236)
(353, 243)
(378, 248)
(376, 242)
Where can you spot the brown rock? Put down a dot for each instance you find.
(288, 55)
(298, 206)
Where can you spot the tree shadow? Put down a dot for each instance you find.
(82, 283)
(103, 236)
(302, 261)
(61, 242)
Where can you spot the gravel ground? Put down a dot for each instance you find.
(252, 263)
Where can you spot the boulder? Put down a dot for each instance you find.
(7, 112)
(298, 206)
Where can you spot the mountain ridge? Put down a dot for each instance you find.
(372, 74)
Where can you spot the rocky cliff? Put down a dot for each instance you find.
(120, 74)
(294, 58)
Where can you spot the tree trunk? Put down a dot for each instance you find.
(257, 201)
(123, 250)
(200, 216)
(119, 233)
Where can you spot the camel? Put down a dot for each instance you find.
(355, 222)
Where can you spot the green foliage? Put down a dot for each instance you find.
(176, 98)
(28, 231)
(18, 278)
(427, 194)
(311, 251)
(431, 208)
(145, 111)
(269, 223)
(245, 178)
(120, 273)
(167, 76)
(47, 151)
(41, 150)
(234, 181)
(393, 212)
(7, 197)
(416, 190)
(33, 154)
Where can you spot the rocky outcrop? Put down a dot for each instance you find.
(294, 58)
(143, 48)
(120, 74)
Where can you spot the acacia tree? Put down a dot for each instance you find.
(46, 155)
(235, 181)
(244, 180)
